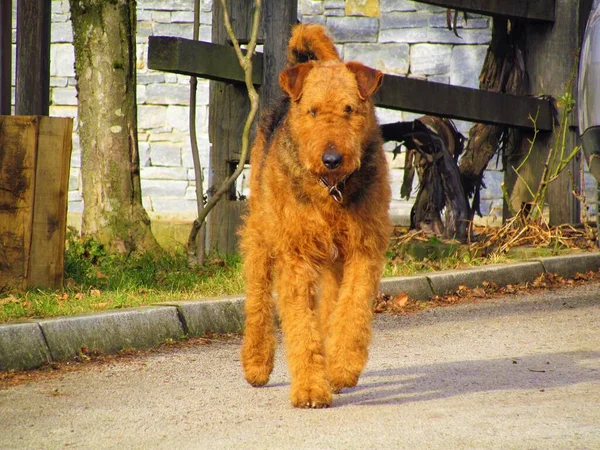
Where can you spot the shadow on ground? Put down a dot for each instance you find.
(444, 380)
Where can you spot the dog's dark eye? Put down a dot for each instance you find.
(312, 111)
(348, 109)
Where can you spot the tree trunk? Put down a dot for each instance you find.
(104, 40)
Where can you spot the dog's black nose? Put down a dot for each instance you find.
(332, 159)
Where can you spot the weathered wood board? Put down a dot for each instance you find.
(35, 154)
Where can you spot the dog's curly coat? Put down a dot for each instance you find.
(318, 224)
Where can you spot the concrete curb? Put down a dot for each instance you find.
(31, 344)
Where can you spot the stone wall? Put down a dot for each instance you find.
(396, 36)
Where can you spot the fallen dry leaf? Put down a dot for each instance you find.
(400, 300)
(95, 292)
(10, 299)
(100, 305)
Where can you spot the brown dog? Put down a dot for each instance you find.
(318, 224)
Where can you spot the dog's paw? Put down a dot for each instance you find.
(257, 362)
(342, 379)
(257, 376)
(311, 397)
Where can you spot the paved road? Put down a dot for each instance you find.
(517, 372)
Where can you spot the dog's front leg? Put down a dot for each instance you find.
(350, 325)
(304, 345)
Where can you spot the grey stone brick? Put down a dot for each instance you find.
(334, 13)
(164, 173)
(75, 206)
(203, 149)
(310, 6)
(175, 204)
(182, 16)
(321, 20)
(143, 31)
(162, 16)
(64, 96)
(334, 4)
(74, 178)
(144, 153)
(205, 33)
(178, 117)
(466, 63)
(58, 82)
(151, 116)
(74, 196)
(59, 18)
(353, 29)
(184, 30)
(385, 115)
(413, 19)
(141, 94)
(151, 77)
(170, 78)
(178, 5)
(389, 58)
(434, 35)
(429, 59)
(444, 79)
(386, 6)
(64, 111)
(62, 60)
(430, 8)
(165, 154)
(440, 21)
(164, 188)
(61, 32)
(143, 15)
(493, 180)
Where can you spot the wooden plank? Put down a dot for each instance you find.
(535, 10)
(33, 57)
(401, 93)
(35, 154)
(46, 264)
(456, 102)
(18, 141)
(217, 62)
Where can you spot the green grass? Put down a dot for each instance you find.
(96, 281)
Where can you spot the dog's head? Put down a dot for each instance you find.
(331, 114)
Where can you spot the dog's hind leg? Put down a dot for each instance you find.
(258, 347)
(296, 286)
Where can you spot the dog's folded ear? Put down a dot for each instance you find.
(292, 80)
(368, 79)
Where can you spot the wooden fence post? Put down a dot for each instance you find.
(33, 57)
(551, 62)
(229, 107)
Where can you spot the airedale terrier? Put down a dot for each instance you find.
(318, 224)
